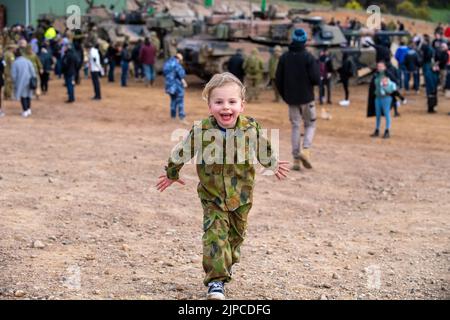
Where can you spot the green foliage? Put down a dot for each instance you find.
(408, 8)
(353, 5)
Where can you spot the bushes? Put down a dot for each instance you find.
(353, 5)
(407, 8)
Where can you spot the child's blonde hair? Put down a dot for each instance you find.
(219, 80)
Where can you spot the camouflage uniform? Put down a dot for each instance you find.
(9, 60)
(254, 70)
(273, 64)
(225, 190)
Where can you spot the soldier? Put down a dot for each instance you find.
(155, 42)
(273, 64)
(9, 60)
(253, 69)
(225, 189)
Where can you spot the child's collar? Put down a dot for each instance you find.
(242, 123)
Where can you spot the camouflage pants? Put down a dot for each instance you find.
(253, 87)
(224, 232)
(8, 91)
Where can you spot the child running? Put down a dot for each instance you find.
(226, 144)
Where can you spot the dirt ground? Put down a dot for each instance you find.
(370, 221)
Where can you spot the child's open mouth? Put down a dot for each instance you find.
(226, 117)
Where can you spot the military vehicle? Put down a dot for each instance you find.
(208, 53)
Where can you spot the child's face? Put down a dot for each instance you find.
(225, 104)
(381, 67)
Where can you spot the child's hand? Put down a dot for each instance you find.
(282, 170)
(165, 182)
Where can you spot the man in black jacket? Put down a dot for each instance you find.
(235, 65)
(296, 76)
(69, 68)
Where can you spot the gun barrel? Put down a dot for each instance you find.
(369, 32)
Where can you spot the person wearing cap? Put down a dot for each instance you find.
(273, 64)
(297, 74)
(175, 83)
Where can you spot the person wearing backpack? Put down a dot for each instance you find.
(125, 58)
(297, 74)
(346, 71)
(412, 66)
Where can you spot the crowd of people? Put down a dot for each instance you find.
(70, 54)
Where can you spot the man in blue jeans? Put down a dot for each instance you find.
(412, 65)
(384, 86)
(400, 55)
(69, 63)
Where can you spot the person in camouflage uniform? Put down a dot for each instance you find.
(226, 183)
(254, 71)
(273, 64)
(9, 60)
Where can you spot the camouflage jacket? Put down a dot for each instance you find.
(230, 182)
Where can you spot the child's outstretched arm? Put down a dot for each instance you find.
(182, 153)
(269, 159)
(282, 169)
(165, 182)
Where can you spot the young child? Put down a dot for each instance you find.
(226, 187)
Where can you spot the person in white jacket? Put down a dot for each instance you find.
(95, 66)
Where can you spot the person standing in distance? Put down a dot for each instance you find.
(297, 74)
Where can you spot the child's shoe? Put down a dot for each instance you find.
(216, 291)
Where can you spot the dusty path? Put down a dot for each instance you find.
(370, 221)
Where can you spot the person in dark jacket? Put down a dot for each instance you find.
(147, 56)
(345, 73)
(371, 98)
(297, 74)
(326, 70)
(125, 56)
(69, 68)
(441, 60)
(2, 70)
(235, 65)
(382, 86)
(138, 70)
(412, 66)
(47, 64)
(431, 78)
(111, 56)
